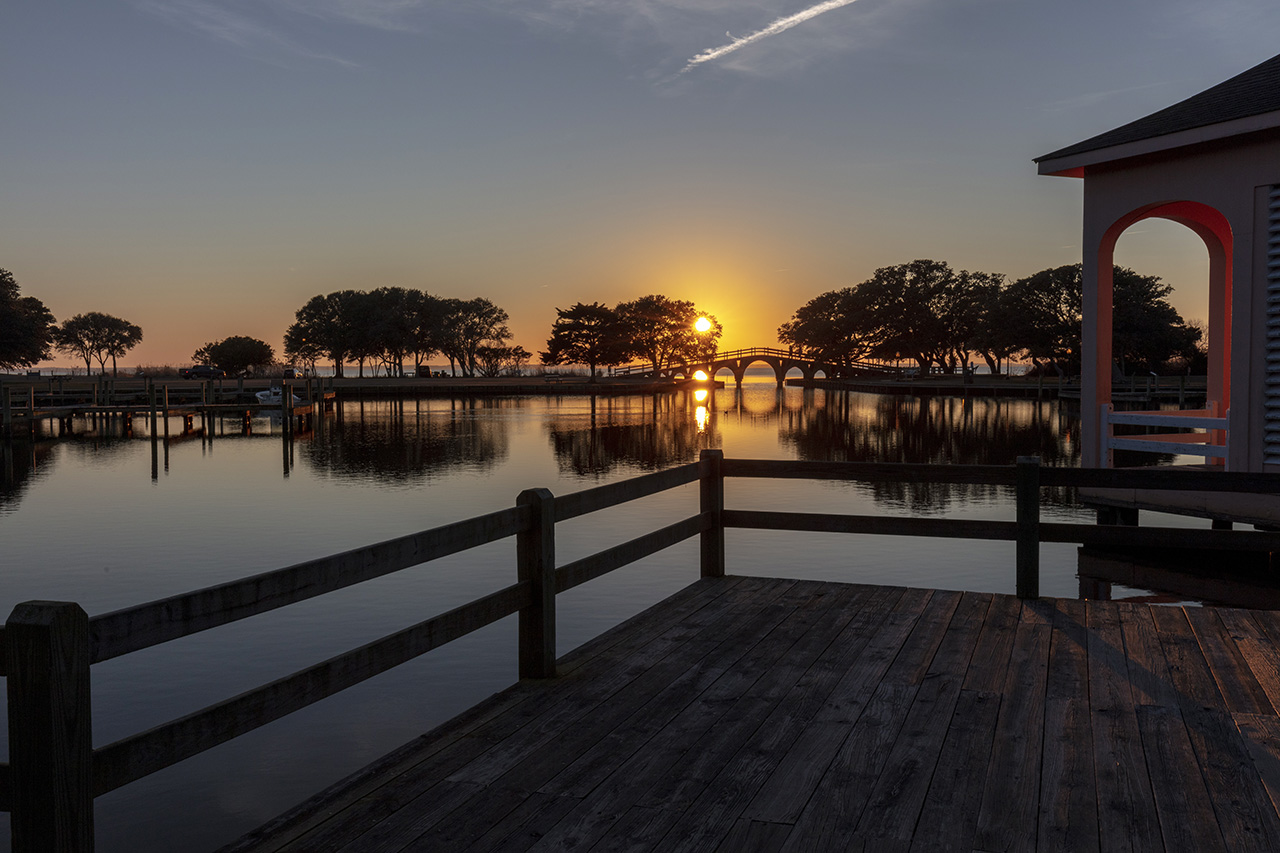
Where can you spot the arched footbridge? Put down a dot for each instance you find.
(737, 361)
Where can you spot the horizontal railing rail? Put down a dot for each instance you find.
(903, 472)
(589, 568)
(47, 648)
(148, 752)
(587, 501)
(1211, 444)
(136, 628)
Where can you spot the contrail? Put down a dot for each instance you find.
(778, 26)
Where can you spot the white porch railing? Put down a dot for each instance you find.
(1211, 444)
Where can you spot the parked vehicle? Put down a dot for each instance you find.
(201, 371)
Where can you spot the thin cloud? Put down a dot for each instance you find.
(222, 24)
(779, 26)
(389, 15)
(1088, 99)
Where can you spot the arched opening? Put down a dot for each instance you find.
(1215, 232)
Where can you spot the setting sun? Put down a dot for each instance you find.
(702, 324)
(700, 375)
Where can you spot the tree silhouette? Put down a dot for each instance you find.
(1043, 317)
(661, 330)
(236, 355)
(27, 327)
(592, 334)
(466, 325)
(99, 336)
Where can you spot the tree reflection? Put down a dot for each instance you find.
(639, 433)
(854, 427)
(22, 463)
(405, 442)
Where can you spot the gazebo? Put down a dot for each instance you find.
(1212, 164)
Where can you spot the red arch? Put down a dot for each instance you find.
(1207, 222)
(1214, 230)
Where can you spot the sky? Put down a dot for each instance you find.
(203, 167)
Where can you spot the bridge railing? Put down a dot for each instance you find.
(47, 648)
(760, 352)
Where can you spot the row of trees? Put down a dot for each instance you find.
(390, 326)
(654, 328)
(29, 333)
(937, 316)
(922, 310)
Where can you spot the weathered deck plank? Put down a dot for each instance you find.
(748, 713)
(1068, 790)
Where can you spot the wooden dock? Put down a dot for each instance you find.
(742, 714)
(771, 715)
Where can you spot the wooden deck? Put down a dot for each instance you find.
(757, 714)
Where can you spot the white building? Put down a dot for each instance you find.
(1211, 163)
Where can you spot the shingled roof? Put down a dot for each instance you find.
(1251, 93)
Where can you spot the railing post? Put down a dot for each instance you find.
(712, 506)
(536, 563)
(1106, 457)
(1028, 503)
(50, 738)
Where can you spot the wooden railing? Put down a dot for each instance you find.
(1211, 443)
(47, 648)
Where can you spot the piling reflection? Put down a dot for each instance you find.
(407, 441)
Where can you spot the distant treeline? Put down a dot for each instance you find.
(391, 326)
(939, 317)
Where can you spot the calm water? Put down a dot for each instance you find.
(110, 522)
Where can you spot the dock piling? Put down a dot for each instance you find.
(536, 563)
(1028, 519)
(50, 737)
(711, 504)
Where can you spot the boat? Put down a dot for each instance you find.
(275, 396)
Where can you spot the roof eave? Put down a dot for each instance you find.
(1074, 165)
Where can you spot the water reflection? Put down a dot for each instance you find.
(23, 462)
(643, 433)
(874, 428)
(409, 441)
(852, 427)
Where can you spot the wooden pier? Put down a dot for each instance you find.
(23, 406)
(742, 714)
(747, 714)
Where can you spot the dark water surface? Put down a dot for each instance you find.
(109, 522)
